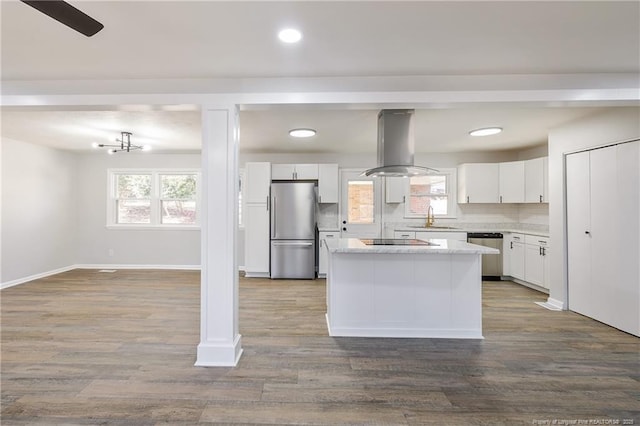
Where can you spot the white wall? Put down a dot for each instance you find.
(130, 247)
(54, 214)
(39, 210)
(615, 125)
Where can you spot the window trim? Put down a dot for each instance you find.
(451, 193)
(156, 199)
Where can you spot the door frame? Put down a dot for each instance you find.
(366, 231)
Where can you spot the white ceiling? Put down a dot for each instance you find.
(212, 39)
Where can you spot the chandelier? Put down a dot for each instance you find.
(124, 144)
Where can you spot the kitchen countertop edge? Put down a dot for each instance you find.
(354, 245)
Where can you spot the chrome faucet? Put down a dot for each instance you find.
(430, 218)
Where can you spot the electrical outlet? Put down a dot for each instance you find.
(111, 252)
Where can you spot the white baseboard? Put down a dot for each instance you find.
(95, 266)
(115, 266)
(558, 304)
(257, 274)
(36, 276)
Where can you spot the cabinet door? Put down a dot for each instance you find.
(478, 183)
(534, 181)
(506, 254)
(322, 255)
(395, 189)
(306, 172)
(516, 256)
(257, 179)
(533, 267)
(546, 252)
(545, 179)
(512, 182)
(328, 183)
(283, 171)
(256, 234)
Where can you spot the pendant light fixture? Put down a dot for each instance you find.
(125, 144)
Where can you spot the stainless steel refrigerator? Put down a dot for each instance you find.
(293, 230)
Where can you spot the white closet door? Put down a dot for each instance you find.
(578, 233)
(605, 279)
(627, 299)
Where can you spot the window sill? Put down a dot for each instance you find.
(154, 227)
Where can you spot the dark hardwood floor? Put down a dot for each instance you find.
(85, 348)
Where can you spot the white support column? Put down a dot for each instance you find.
(220, 341)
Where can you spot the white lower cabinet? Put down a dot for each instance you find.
(256, 232)
(322, 254)
(535, 261)
(525, 257)
(514, 244)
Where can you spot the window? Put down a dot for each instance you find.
(360, 202)
(433, 191)
(178, 198)
(155, 198)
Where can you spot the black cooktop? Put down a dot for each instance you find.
(395, 242)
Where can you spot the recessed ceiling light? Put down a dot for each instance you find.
(290, 35)
(486, 131)
(302, 133)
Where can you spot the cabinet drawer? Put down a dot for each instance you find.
(404, 235)
(536, 240)
(328, 235)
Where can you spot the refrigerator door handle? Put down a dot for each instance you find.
(293, 243)
(273, 218)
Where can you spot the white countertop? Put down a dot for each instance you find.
(470, 229)
(354, 245)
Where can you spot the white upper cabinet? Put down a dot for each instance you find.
(283, 171)
(478, 183)
(294, 171)
(257, 180)
(306, 171)
(536, 180)
(512, 182)
(328, 183)
(395, 189)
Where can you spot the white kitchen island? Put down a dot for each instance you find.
(405, 291)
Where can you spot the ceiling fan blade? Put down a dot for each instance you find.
(63, 12)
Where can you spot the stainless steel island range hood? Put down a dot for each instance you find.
(396, 145)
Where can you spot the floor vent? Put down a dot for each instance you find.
(548, 306)
(107, 270)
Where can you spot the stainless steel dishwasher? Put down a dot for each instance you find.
(491, 263)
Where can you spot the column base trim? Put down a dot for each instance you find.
(219, 354)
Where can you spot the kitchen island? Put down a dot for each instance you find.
(405, 290)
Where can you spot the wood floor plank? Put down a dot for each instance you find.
(85, 348)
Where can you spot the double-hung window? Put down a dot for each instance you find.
(435, 191)
(161, 198)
